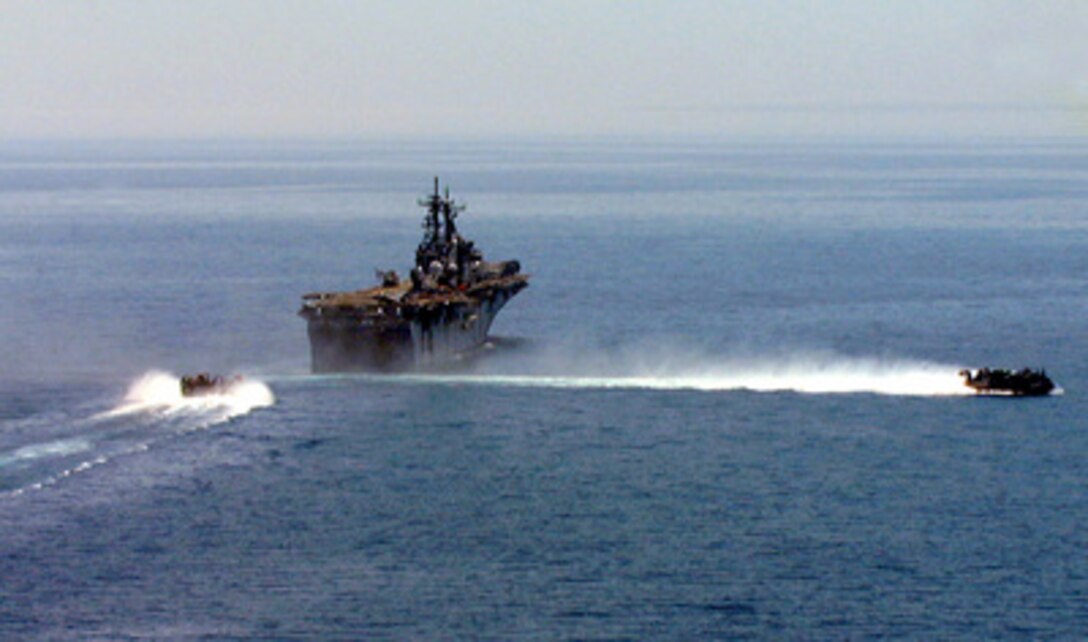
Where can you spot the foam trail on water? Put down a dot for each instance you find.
(153, 408)
(58, 448)
(805, 374)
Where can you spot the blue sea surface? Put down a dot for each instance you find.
(727, 407)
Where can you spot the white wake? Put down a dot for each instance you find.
(819, 374)
(152, 408)
(58, 448)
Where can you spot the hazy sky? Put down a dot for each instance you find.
(329, 68)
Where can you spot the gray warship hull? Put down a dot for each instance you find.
(404, 337)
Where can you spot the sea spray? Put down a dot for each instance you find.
(161, 391)
(814, 373)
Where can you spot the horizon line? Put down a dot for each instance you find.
(875, 107)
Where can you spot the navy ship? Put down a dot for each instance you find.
(440, 314)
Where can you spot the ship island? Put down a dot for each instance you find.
(435, 318)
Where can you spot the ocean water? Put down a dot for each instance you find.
(726, 407)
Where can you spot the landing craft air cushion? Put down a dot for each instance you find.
(998, 381)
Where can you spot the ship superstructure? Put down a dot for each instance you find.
(443, 311)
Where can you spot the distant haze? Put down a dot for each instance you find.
(329, 68)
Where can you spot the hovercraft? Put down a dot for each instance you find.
(203, 384)
(998, 381)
